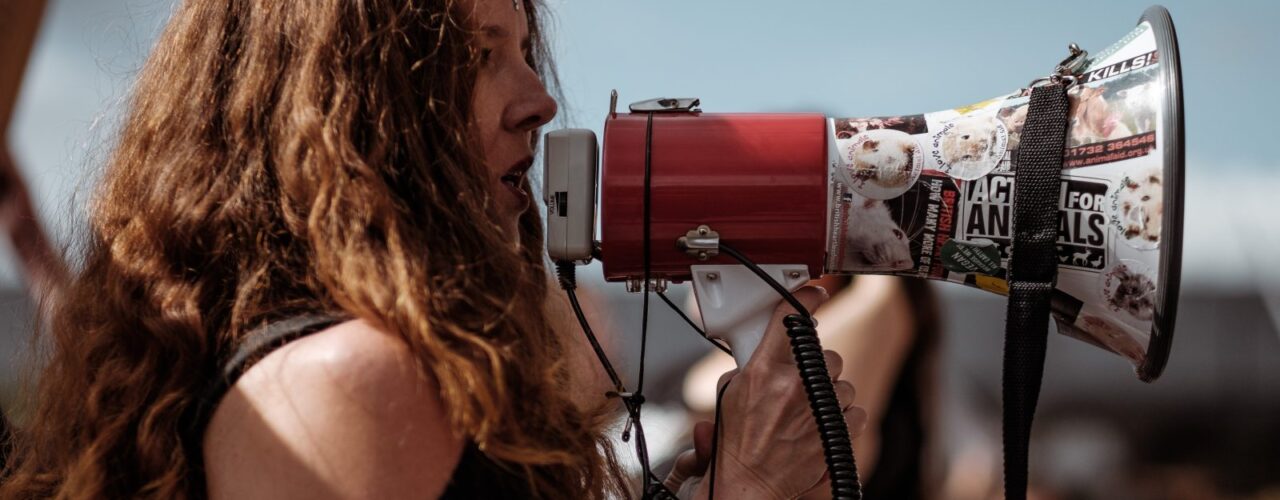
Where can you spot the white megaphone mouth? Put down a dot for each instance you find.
(1172, 166)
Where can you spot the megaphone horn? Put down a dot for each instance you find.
(925, 195)
(929, 195)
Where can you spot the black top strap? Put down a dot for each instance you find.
(255, 345)
(1033, 272)
(258, 343)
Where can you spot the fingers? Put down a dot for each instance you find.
(845, 393)
(683, 469)
(835, 363)
(855, 416)
(703, 433)
(857, 419)
(692, 463)
(809, 296)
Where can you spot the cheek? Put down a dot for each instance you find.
(486, 100)
(486, 117)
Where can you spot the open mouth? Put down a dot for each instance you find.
(514, 181)
(514, 178)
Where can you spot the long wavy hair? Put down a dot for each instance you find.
(288, 157)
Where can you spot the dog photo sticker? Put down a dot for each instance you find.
(1129, 287)
(970, 146)
(1137, 208)
(1014, 118)
(903, 236)
(1114, 119)
(880, 164)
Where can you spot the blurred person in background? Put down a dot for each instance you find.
(45, 271)
(359, 167)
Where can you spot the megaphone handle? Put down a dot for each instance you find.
(746, 336)
(736, 305)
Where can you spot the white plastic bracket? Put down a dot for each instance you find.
(736, 305)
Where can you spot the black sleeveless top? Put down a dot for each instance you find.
(476, 476)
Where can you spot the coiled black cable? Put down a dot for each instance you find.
(837, 446)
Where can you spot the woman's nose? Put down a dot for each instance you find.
(532, 108)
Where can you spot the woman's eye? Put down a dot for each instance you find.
(485, 55)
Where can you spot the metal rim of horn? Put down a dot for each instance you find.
(1174, 161)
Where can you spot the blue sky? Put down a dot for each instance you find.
(865, 59)
(838, 58)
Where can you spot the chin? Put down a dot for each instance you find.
(511, 230)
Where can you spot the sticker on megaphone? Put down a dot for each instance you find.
(930, 195)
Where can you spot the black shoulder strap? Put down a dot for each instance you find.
(255, 345)
(1033, 272)
(258, 343)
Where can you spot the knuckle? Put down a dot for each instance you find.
(809, 296)
(790, 389)
(726, 377)
(846, 393)
(856, 417)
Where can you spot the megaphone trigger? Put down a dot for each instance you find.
(736, 304)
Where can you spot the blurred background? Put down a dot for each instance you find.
(1209, 428)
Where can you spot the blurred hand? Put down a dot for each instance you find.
(769, 445)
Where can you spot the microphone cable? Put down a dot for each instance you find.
(653, 487)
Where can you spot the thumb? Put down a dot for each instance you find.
(775, 346)
(692, 463)
(703, 436)
(683, 469)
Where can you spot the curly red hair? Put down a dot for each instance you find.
(287, 157)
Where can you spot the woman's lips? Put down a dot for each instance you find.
(513, 180)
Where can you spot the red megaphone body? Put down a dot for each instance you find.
(759, 180)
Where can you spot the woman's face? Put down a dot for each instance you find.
(510, 104)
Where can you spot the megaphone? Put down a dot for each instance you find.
(927, 195)
(923, 195)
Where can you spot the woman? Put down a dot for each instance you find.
(361, 160)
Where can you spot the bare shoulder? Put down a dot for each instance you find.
(342, 413)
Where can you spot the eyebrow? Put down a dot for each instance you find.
(495, 31)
